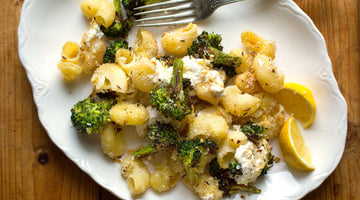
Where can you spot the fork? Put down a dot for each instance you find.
(176, 12)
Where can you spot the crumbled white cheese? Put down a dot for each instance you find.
(252, 159)
(162, 74)
(155, 115)
(194, 69)
(92, 33)
(215, 80)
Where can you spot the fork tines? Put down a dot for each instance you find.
(170, 13)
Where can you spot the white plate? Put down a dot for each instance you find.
(46, 25)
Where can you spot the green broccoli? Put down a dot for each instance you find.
(120, 27)
(109, 56)
(226, 178)
(195, 155)
(162, 137)
(90, 115)
(198, 49)
(208, 45)
(173, 99)
(253, 131)
(268, 165)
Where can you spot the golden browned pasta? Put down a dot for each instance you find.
(69, 70)
(110, 77)
(268, 76)
(236, 138)
(203, 92)
(239, 104)
(247, 82)
(142, 74)
(145, 45)
(102, 10)
(112, 141)
(247, 59)
(125, 113)
(136, 174)
(206, 187)
(124, 59)
(70, 52)
(91, 57)
(163, 179)
(258, 44)
(217, 110)
(177, 42)
(90, 7)
(208, 126)
(225, 153)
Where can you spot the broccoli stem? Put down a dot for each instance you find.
(177, 79)
(147, 150)
(233, 189)
(222, 58)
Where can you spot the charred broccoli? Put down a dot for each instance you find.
(268, 165)
(195, 155)
(109, 56)
(198, 49)
(173, 100)
(253, 131)
(208, 45)
(91, 114)
(120, 27)
(162, 136)
(226, 178)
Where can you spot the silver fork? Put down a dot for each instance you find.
(176, 12)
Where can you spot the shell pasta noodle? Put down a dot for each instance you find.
(203, 116)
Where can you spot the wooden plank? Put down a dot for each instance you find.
(31, 167)
(338, 21)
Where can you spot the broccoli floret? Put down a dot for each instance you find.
(253, 131)
(162, 136)
(208, 45)
(224, 61)
(120, 27)
(226, 179)
(198, 49)
(90, 115)
(173, 99)
(109, 56)
(195, 155)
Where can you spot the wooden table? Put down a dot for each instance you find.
(32, 167)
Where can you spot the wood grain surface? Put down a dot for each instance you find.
(32, 167)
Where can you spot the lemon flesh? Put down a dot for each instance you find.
(295, 152)
(298, 100)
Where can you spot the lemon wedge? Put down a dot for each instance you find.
(298, 100)
(293, 147)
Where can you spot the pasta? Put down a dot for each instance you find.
(145, 45)
(208, 126)
(239, 104)
(163, 179)
(220, 104)
(112, 142)
(124, 113)
(102, 10)
(136, 174)
(177, 42)
(110, 77)
(269, 77)
(142, 74)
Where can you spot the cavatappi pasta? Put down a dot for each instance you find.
(221, 105)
